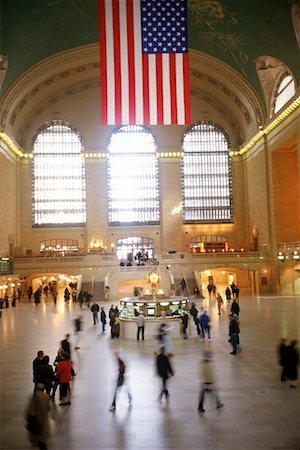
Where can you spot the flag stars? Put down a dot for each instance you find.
(164, 26)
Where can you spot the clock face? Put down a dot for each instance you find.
(154, 277)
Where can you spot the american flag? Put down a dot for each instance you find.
(144, 62)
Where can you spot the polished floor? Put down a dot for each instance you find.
(259, 411)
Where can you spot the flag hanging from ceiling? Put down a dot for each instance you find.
(144, 62)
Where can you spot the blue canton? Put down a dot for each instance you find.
(164, 26)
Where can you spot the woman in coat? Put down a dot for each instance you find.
(64, 372)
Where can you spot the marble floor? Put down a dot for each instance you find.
(259, 411)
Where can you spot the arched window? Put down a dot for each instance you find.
(140, 248)
(284, 92)
(133, 177)
(58, 176)
(206, 175)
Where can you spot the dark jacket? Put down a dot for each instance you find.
(163, 366)
(194, 312)
(235, 308)
(233, 327)
(95, 308)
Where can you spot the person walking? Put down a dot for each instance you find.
(164, 371)
(234, 330)
(205, 325)
(194, 313)
(163, 339)
(120, 382)
(103, 319)
(30, 292)
(64, 372)
(228, 294)
(235, 308)
(208, 383)
(185, 322)
(37, 417)
(140, 321)
(219, 302)
(67, 295)
(95, 311)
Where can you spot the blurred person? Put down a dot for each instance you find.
(120, 382)
(164, 371)
(30, 292)
(208, 383)
(282, 354)
(292, 361)
(67, 295)
(77, 331)
(219, 302)
(228, 294)
(163, 338)
(37, 417)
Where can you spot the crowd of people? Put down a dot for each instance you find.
(50, 378)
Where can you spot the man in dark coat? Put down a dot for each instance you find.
(235, 308)
(234, 331)
(164, 371)
(36, 362)
(95, 310)
(194, 312)
(65, 345)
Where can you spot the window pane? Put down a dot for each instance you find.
(206, 175)
(285, 91)
(133, 177)
(58, 176)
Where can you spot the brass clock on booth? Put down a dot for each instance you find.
(153, 277)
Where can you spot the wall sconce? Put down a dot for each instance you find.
(295, 255)
(280, 256)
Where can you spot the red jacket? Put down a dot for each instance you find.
(64, 371)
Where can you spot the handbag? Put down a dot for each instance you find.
(33, 425)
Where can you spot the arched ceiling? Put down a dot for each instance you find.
(218, 93)
(236, 32)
